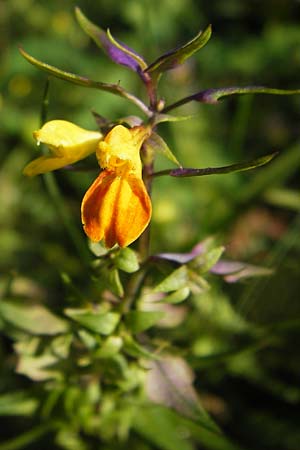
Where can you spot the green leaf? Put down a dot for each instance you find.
(239, 167)
(110, 347)
(17, 404)
(110, 279)
(127, 260)
(178, 279)
(32, 318)
(213, 95)
(99, 322)
(173, 58)
(177, 297)
(197, 283)
(84, 81)
(160, 118)
(161, 427)
(134, 349)
(138, 321)
(204, 262)
(98, 248)
(39, 368)
(158, 145)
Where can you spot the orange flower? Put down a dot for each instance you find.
(117, 208)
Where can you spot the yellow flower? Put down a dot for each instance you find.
(67, 142)
(117, 207)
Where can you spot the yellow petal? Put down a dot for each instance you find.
(116, 209)
(67, 139)
(45, 164)
(122, 145)
(67, 142)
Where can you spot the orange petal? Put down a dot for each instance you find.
(116, 209)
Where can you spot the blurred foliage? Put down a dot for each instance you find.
(241, 340)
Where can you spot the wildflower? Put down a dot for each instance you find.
(117, 207)
(67, 142)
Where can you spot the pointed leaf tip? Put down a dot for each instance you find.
(174, 58)
(115, 50)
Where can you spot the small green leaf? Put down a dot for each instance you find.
(134, 349)
(32, 318)
(204, 262)
(110, 279)
(197, 283)
(158, 145)
(127, 260)
(173, 58)
(138, 321)
(99, 322)
(178, 279)
(160, 118)
(110, 347)
(177, 297)
(98, 248)
(39, 368)
(17, 404)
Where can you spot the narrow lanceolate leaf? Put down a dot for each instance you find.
(117, 51)
(213, 95)
(240, 167)
(158, 145)
(173, 58)
(84, 81)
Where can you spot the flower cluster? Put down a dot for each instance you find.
(116, 208)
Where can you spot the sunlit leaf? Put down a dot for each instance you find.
(32, 318)
(173, 58)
